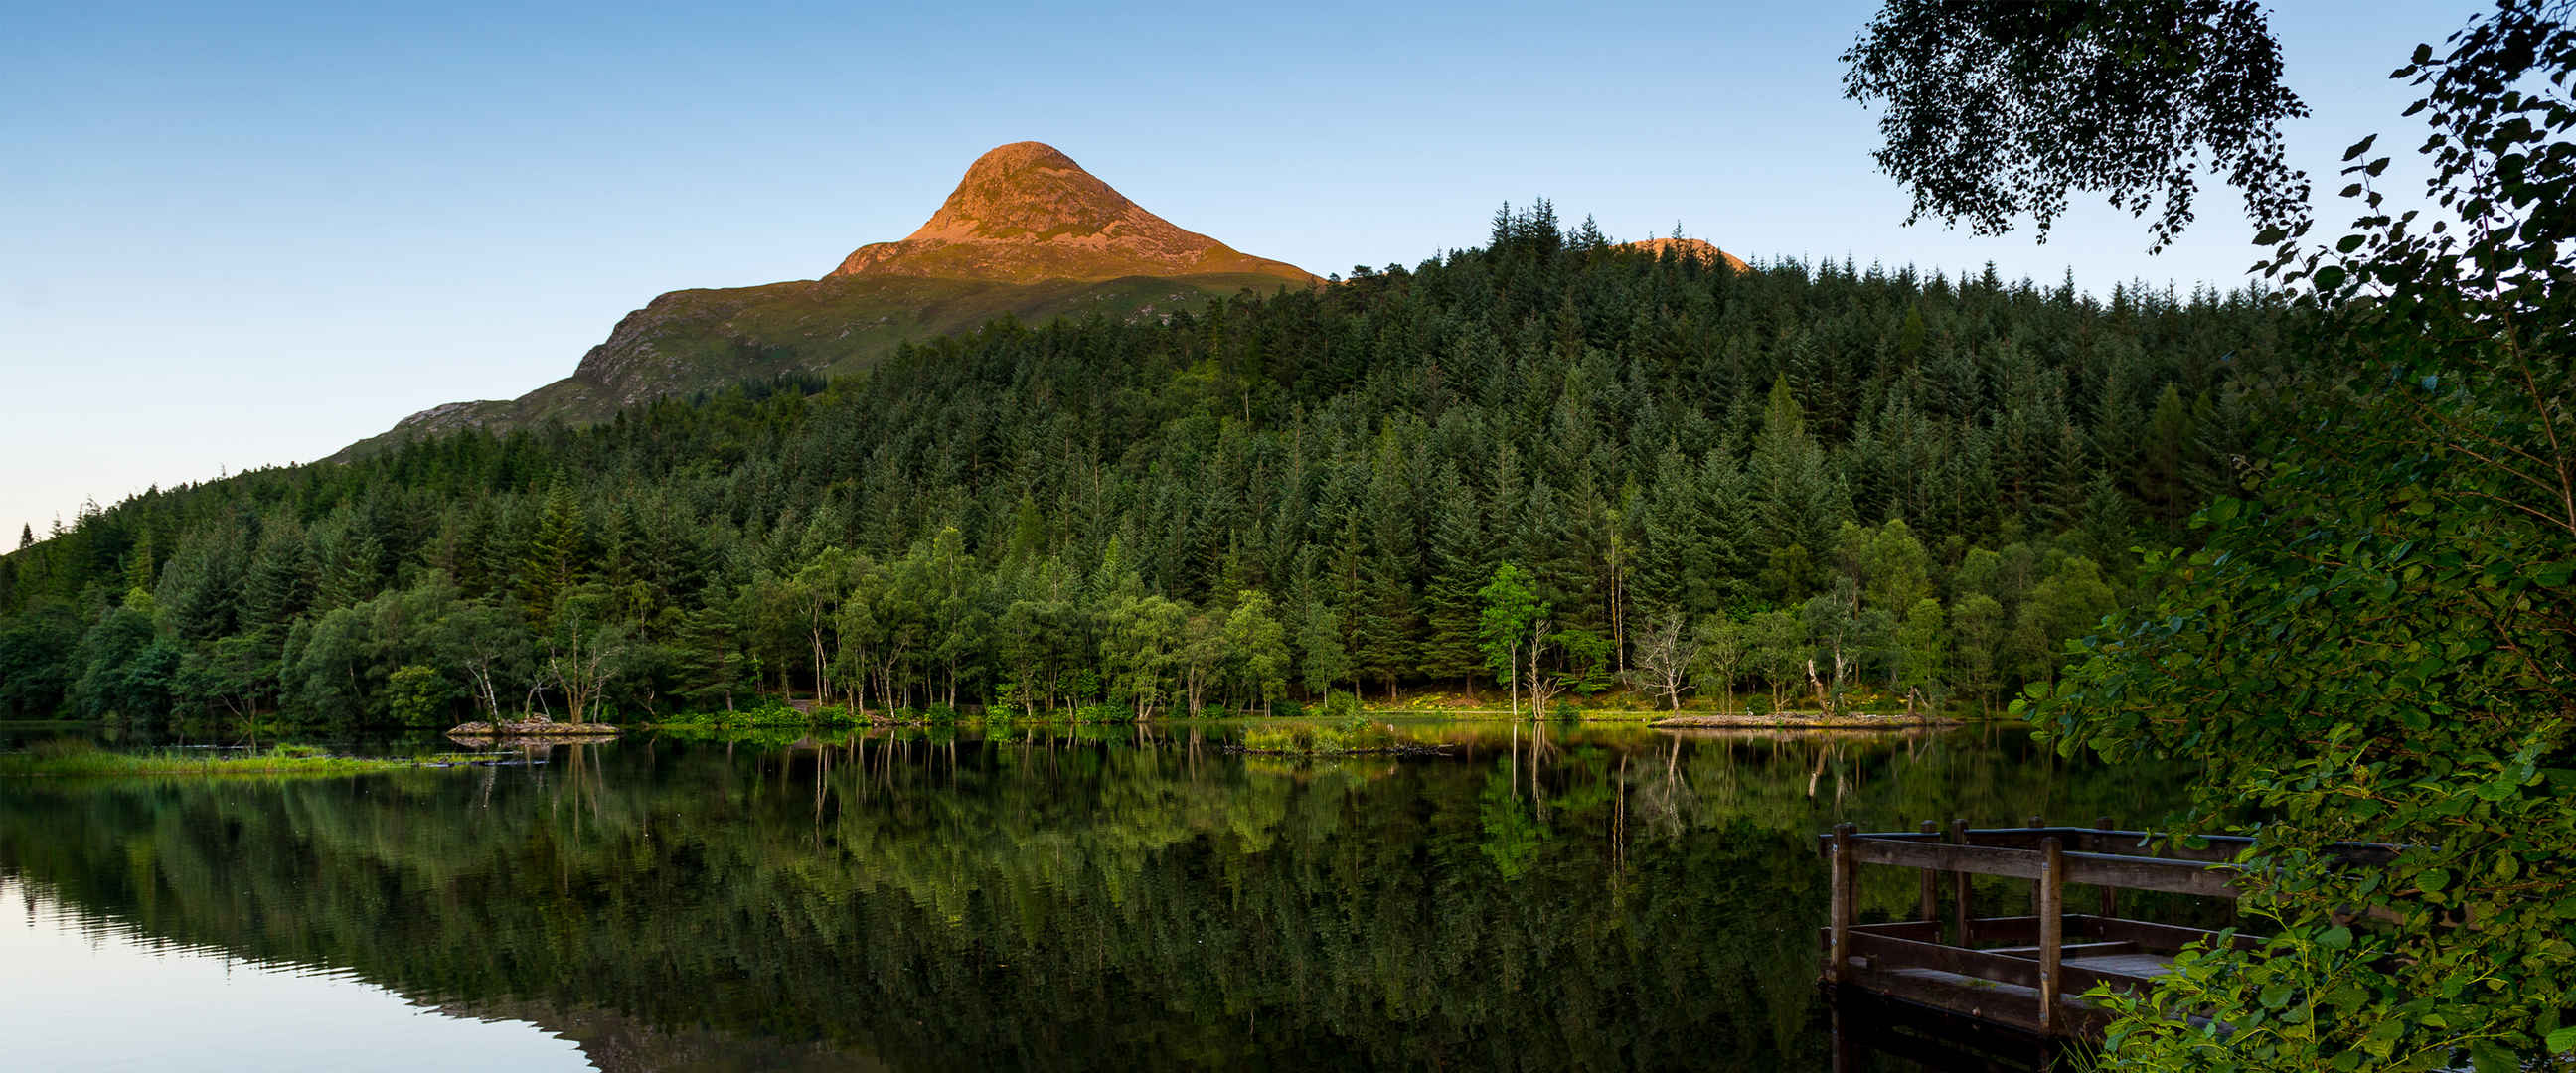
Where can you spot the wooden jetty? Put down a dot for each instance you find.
(2025, 972)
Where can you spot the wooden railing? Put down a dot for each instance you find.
(2110, 859)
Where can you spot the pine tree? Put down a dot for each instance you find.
(554, 553)
(279, 583)
(198, 588)
(2070, 480)
(1677, 535)
(140, 569)
(1792, 497)
(1385, 640)
(1459, 571)
(2162, 481)
(1730, 569)
(348, 554)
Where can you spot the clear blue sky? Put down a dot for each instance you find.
(239, 235)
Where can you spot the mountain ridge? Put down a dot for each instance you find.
(1026, 233)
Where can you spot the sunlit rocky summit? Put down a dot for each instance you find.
(1027, 233)
(1689, 248)
(1025, 213)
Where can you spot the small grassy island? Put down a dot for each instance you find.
(1352, 736)
(534, 728)
(77, 759)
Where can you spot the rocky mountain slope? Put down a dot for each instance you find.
(1027, 233)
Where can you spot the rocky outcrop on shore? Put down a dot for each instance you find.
(532, 728)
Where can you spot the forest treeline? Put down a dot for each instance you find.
(1796, 480)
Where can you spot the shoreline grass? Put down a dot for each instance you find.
(1350, 736)
(83, 760)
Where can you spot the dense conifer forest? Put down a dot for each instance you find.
(1803, 484)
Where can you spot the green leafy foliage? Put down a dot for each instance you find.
(1996, 110)
(2377, 642)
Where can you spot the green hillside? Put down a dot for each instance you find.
(1791, 486)
(703, 340)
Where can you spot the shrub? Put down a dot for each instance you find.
(418, 696)
(1342, 706)
(1104, 713)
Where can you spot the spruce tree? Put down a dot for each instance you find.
(1458, 571)
(1677, 535)
(279, 583)
(1385, 632)
(2162, 481)
(2070, 480)
(554, 554)
(1792, 497)
(348, 554)
(140, 568)
(1730, 566)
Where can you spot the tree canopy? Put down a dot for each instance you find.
(1996, 109)
(1073, 517)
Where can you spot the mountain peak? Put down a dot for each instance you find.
(1022, 154)
(1026, 212)
(1025, 190)
(1003, 161)
(1697, 249)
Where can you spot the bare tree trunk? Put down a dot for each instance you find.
(1619, 606)
(1541, 690)
(822, 673)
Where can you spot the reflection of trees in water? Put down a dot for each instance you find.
(1585, 900)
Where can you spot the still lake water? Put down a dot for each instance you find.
(1580, 898)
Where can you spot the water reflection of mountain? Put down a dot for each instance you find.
(1577, 900)
(617, 1043)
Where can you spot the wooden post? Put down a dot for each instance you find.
(1959, 883)
(1840, 956)
(2110, 895)
(1931, 882)
(2036, 906)
(2052, 929)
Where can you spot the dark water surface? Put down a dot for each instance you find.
(1585, 898)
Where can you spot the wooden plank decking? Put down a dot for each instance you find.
(2027, 973)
